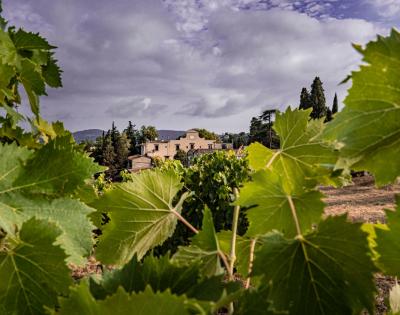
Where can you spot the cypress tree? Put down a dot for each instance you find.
(122, 152)
(133, 136)
(114, 133)
(317, 99)
(109, 155)
(328, 115)
(305, 101)
(335, 105)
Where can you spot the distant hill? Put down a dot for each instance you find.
(89, 134)
(93, 134)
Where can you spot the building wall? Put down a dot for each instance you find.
(168, 149)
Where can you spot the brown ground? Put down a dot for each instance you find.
(362, 201)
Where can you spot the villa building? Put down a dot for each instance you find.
(166, 149)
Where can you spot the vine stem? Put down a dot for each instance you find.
(251, 259)
(232, 257)
(196, 231)
(184, 221)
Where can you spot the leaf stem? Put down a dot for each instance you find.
(184, 221)
(251, 259)
(235, 220)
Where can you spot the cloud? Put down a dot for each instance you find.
(205, 63)
(136, 107)
(386, 8)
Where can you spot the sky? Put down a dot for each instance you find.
(181, 64)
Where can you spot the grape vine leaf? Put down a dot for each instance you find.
(388, 246)
(70, 215)
(330, 268)
(142, 215)
(29, 41)
(204, 248)
(11, 158)
(368, 128)
(304, 159)
(161, 275)
(18, 203)
(272, 208)
(122, 303)
(57, 168)
(254, 301)
(34, 272)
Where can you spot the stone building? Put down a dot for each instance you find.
(167, 149)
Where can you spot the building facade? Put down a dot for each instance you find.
(167, 149)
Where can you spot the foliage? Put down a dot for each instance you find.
(372, 105)
(181, 156)
(296, 261)
(148, 133)
(208, 135)
(317, 98)
(237, 139)
(305, 101)
(261, 130)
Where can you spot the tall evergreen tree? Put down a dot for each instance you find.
(305, 101)
(335, 105)
(109, 155)
(114, 133)
(133, 136)
(329, 116)
(318, 101)
(122, 152)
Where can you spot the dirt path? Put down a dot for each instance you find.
(362, 201)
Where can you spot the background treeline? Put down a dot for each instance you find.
(113, 147)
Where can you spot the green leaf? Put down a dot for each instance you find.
(52, 73)
(388, 245)
(328, 271)
(121, 303)
(142, 215)
(11, 158)
(57, 168)
(20, 202)
(368, 129)
(272, 208)
(33, 273)
(204, 248)
(304, 159)
(33, 83)
(255, 302)
(70, 215)
(28, 41)
(161, 275)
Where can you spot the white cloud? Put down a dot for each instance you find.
(386, 8)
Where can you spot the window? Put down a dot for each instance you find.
(156, 147)
(177, 147)
(192, 146)
(210, 146)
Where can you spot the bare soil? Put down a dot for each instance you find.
(363, 202)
